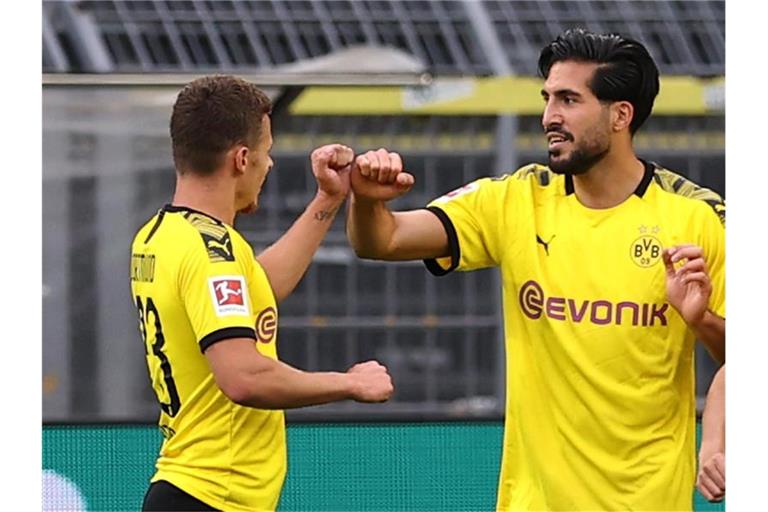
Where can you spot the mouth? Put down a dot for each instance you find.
(556, 141)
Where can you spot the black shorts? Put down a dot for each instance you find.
(164, 496)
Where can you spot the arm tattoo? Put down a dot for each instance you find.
(325, 214)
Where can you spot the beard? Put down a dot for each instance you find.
(580, 161)
(595, 143)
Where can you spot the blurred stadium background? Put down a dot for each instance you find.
(449, 84)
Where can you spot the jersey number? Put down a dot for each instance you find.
(170, 408)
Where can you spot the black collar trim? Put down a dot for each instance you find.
(639, 191)
(186, 209)
(650, 170)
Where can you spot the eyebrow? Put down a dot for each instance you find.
(562, 92)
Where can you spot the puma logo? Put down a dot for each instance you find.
(213, 244)
(545, 244)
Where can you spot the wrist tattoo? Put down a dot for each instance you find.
(325, 214)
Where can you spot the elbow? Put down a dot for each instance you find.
(247, 394)
(372, 252)
(236, 391)
(364, 253)
(360, 250)
(364, 249)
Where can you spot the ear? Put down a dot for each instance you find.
(622, 113)
(241, 155)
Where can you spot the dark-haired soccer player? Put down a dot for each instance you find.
(208, 309)
(611, 267)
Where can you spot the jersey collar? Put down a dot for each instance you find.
(170, 208)
(639, 191)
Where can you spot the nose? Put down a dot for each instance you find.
(551, 116)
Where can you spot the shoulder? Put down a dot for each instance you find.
(529, 180)
(535, 174)
(214, 237)
(534, 178)
(530, 175)
(688, 193)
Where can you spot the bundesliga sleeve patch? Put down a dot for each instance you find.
(229, 295)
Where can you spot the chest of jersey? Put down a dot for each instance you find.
(572, 264)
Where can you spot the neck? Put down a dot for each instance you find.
(610, 182)
(210, 195)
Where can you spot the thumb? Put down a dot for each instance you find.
(405, 180)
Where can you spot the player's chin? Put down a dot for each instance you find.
(250, 208)
(557, 154)
(557, 157)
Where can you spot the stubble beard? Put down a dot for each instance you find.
(580, 161)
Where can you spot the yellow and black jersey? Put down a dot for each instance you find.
(600, 407)
(195, 282)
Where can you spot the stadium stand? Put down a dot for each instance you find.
(106, 167)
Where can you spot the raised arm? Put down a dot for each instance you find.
(374, 231)
(251, 379)
(286, 260)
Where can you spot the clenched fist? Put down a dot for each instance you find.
(331, 165)
(379, 175)
(371, 382)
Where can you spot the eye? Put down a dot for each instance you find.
(569, 100)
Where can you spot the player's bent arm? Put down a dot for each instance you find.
(375, 232)
(286, 260)
(251, 379)
(711, 331)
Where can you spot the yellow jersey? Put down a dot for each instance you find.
(195, 282)
(600, 401)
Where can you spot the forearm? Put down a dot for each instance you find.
(711, 331)
(286, 260)
(276, 385)
(370, 228)
(713, 418)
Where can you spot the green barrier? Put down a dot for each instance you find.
(402, 466)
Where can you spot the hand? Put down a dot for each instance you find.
(371, 382)
(331, 165)
(378, 175)
(689, 287)
(711, 478)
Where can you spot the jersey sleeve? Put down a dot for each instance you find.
(472, 218)
(713, 244)
(216, 296)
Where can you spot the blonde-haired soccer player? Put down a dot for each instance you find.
(208, 309)
(611, 267)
